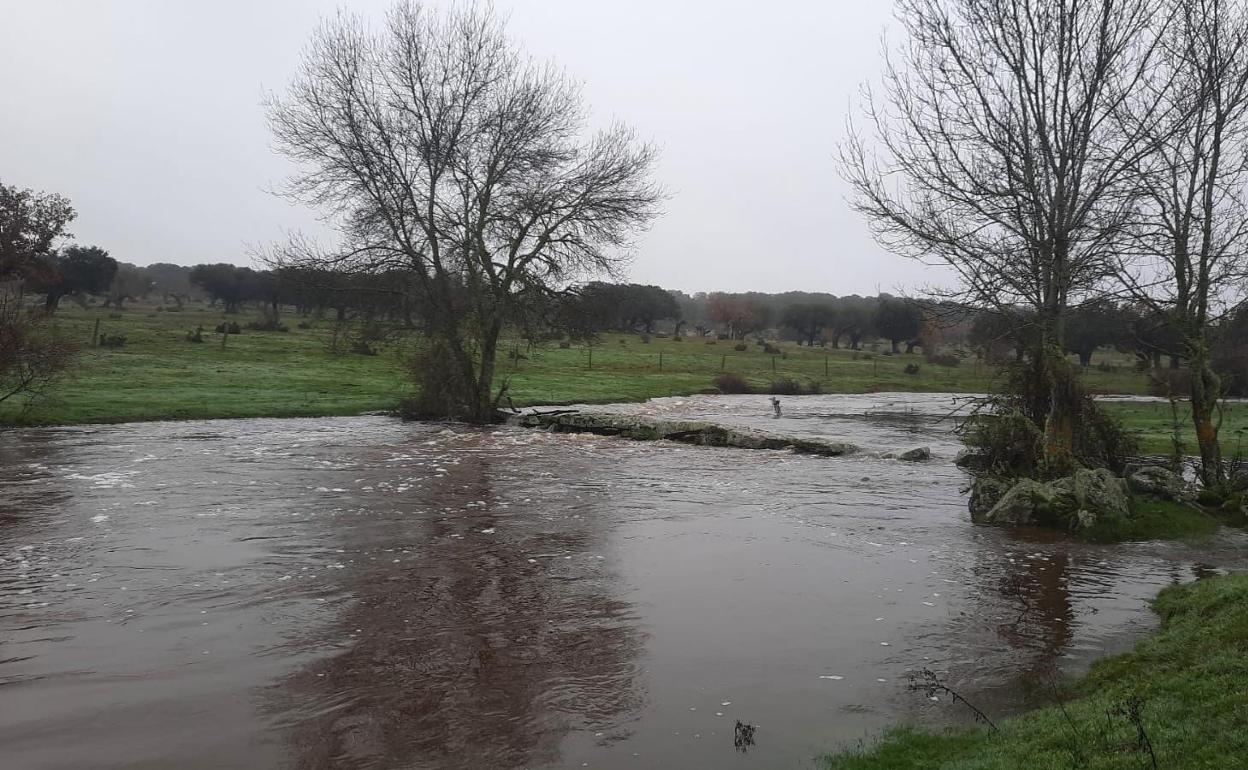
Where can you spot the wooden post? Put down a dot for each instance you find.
(225, 332)
(660, 362)
(95, 335)
(825, 364)
(773, 364)
(591, 356)
(722, 361)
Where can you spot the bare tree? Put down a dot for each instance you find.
(1185, 257)
(438, 149)
(996, 150)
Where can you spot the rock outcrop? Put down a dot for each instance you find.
(916, 455)
(1158, 482)
(1074, 502)
(684, 431)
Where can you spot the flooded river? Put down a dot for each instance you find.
(363, 593)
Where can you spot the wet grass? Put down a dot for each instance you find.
(1153, 424)
(1154, 519)
(158, 374)
(1180, 691)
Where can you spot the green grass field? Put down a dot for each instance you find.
(159, 375)
(1186, 683)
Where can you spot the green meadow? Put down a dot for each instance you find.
(159, 375)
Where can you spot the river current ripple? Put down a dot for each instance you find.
(365, 593)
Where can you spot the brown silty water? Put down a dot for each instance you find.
(364, 593)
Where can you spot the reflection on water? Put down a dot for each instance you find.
(357, 592)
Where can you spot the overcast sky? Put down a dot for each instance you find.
(147, 115)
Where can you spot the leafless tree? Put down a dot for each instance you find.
(1186, 255)
(439, 149)
(995, 148)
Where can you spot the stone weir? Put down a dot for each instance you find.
(684, 431)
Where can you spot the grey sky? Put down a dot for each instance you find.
(147, 115)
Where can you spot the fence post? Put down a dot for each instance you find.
(722, 361)
(95, 335)
(825, 364)
(660, 362)
(591, 356)
(773, 364)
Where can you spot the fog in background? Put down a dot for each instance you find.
(148, 116)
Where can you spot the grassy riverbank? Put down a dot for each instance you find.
(158, 374)
(1185, 683)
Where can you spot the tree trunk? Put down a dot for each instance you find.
(1059, 425)
(1085, 358)
(896, 347)
(1206, 387)
(1176, 362)
(482, 409)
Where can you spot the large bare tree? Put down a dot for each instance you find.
(439, 149)
(995, 147)
(1186, 255)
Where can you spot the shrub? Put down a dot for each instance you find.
(112, 341)
(944, 359)
(740, 347)
(678, 338)
(645, 339)
(440, 386)
(1007, 427)
(1106, 367)
(231, 327)
(195, 336)
(304, 324)
(912, 369)
(564, 345)
(788, 386)
(728, 382)
(267, 326)
(363, 348)
(711, 342)
(771, 350)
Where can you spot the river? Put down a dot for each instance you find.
(365, 593)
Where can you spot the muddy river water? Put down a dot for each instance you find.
(364, 593)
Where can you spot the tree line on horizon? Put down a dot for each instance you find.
(596, 307)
